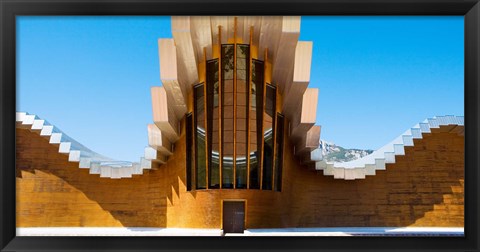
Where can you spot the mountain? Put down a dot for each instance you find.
(333, 153)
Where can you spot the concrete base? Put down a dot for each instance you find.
(357, 231)
(338, 231)
(107, 231)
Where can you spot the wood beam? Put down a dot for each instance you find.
(249, 33)
(309, 141)
(285, 54)
(270, 32)
(304, 118)
(234, 101)
(301, 78)
(201, 33)
(158, 141)
(221, 21)
(187, 62)
(169, 76)
(163, 114)
(155, 157)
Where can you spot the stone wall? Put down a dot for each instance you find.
(54, 192)
(423, 188)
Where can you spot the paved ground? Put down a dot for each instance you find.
(100, 231)
(356, 231)
(346, 231)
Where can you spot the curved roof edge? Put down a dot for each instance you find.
(377, 160)
(85, 157)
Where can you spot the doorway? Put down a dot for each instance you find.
(233, 216)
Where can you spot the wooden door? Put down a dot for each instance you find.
(233, 216)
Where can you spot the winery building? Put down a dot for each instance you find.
(233, 145)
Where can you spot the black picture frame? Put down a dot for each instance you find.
(11, 8)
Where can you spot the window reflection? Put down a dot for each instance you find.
(212, 124)
(279, 153)
(200, 154)
(190, 156)
(256, 115)
(227, 115)
(268, 129)
(242, 88)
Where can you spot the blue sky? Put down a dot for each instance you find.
(378, 76)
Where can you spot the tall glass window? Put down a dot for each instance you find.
(242, 92)
(279, 153)
(200, 153)
(213, 150)
(232, 141)
(227, 55)
(256, 115)
(190, 157)
(268, 130)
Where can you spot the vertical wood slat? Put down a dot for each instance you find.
(234, 101)
(249, 104)
(205, 109)
(263, 115)
(220, 104)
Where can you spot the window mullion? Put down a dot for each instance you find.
(235, 103)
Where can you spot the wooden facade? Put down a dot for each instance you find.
(423, 188)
